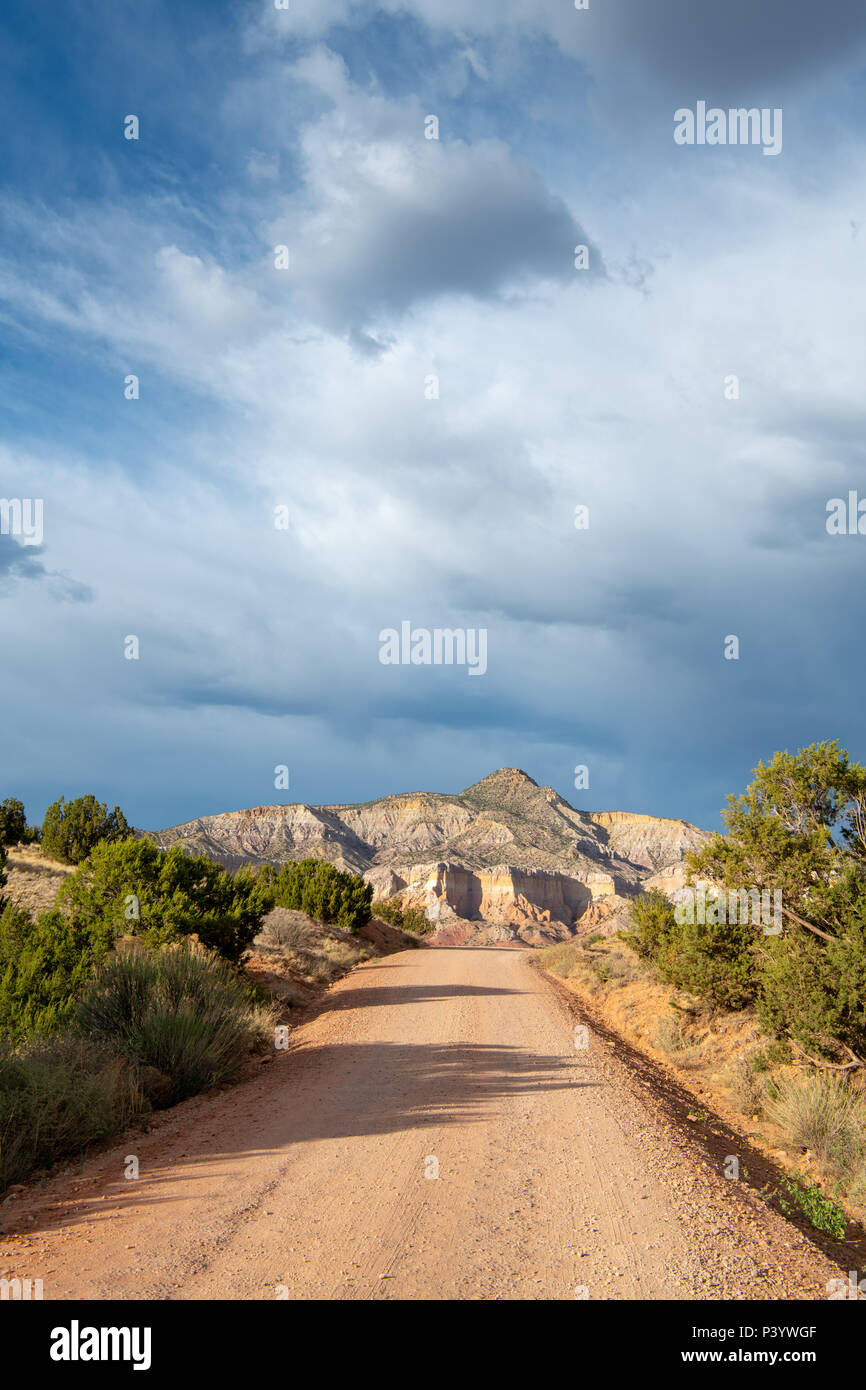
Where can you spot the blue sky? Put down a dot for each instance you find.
(306, 388)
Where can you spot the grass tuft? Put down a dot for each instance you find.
(822, 1113)
(57, 1095)
(182, 1012)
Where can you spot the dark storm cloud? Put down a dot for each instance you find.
(737, 44)
(19, 562)
(472, 221)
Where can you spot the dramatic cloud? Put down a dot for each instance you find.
(389, 218)
(735, 42)
(429, 391)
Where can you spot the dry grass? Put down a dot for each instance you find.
(812, 1123)
(57, 1096)
(33, 879)
(746, 1087)
(294, 956)
(660, 1020)
(592, 961)
(823, 1113)
(857, 1187)
(669, 1035)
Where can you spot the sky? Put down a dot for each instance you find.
(395, 418)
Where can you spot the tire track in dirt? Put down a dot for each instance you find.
(554, 1175)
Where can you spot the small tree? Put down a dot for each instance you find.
(800, 827)
(72, 829)
(13, 823)
(314, 886)
(814, 988)
(653, 923)
(133, 887)
(715, 961)
(784, 832)
(43, 964)
(410, 919)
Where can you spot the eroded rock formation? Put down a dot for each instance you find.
(503, 860)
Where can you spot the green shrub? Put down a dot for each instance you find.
(133, 887)
(653, 922)
(815, 990)
(14, 829)
(713, 961)
(314, 886)
(126, 888)
(822, 1212)
(56, 1097)
(149, 1028)
(411, 919)
(180, 1011)
(72, 829)
(43, 963)
(800, 829)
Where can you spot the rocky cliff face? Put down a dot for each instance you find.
(648, 841)
(503, 860)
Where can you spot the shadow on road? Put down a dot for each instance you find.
(329, 1091)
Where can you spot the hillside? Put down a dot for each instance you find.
(33, 879)
(503, 860)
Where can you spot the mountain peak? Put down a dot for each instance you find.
(506, 856)
(511, 777)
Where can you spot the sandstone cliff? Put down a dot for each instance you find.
(503, 860)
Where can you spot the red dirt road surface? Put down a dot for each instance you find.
(432, 1133)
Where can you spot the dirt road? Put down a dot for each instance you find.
(433, 1134)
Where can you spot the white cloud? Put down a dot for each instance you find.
(551, 393)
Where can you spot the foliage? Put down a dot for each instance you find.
(815, 991)
(149, 1028)
(72, 829)
(56, 1097)
(821, 1211)
(713, 961)
(411, 919)
(652, 917)
(43, 963)
(800, 829)
(797, 825)
(314, 886)
(14, 829)
(179, 1011)
(128, 887)
(132, 886)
